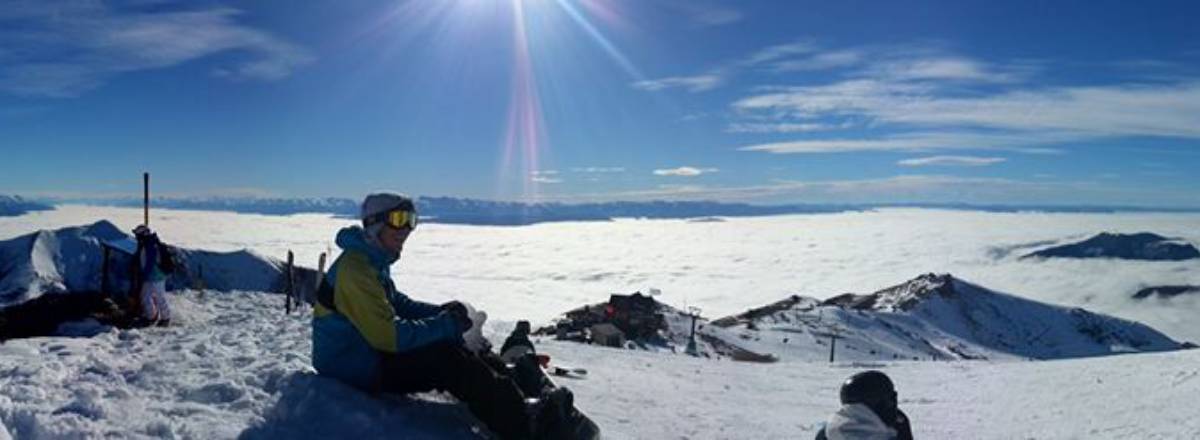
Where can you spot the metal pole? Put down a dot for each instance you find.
(832, 344)
(146, 199)
(291, 282)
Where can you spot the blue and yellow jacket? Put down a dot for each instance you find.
(371, 316)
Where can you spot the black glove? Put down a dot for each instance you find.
(458, 311)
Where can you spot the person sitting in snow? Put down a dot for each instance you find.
(869, 411)
(152, 262)
(517, 345)
(371, 336)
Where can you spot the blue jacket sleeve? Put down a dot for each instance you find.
(417, 333)
(408, 308)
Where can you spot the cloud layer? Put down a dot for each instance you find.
(684, 171)
(964, 161)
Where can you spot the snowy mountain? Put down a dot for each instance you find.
(1139, 246)
(71, 260)
(934, 317)
(16, 205)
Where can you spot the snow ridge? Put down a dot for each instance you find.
(934, 316)
(71, 260)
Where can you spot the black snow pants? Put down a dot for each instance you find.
(480, 381)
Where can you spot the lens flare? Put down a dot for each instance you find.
(525, 134)
(525, 138)
(604, 43)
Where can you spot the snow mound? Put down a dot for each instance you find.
(68, 259)
(71, 260)
(1140, 246)
(235, 366)
(934, 317)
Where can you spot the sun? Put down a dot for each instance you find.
(524, 141)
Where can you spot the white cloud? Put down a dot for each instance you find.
(961, 161)
(599, 170)
(698, 83)
(822, 61)
(920, 141)
(892, 64)
(544, 176)
(942, 68)
(782, 127)
(1020, 118)
(90, 43)
(684, 171)
(772, 53)
(717, 76)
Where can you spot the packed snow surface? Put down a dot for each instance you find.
(237, 367)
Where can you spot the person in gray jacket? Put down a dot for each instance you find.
(870, 411)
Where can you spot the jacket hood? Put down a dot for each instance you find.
(353, 238)
(857, 422)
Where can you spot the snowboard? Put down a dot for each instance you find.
(560, 370)
(571, 372)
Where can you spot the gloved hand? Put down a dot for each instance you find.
(460, 314)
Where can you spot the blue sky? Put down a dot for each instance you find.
(1093, 102)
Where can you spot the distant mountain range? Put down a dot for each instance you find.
(481, 212)
(489, 212)
(11, 206)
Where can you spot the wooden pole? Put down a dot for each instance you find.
(146, 199)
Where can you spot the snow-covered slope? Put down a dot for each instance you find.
(71, 260)
(934, 317)
(237, 367)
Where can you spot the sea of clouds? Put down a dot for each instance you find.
(539, 271)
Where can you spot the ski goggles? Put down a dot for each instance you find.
(398, 219)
